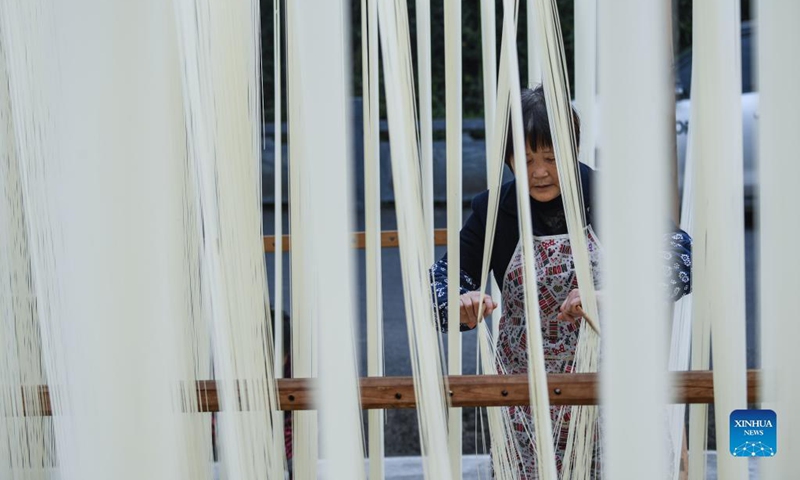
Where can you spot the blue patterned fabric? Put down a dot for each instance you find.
(438, 274)
(678, 266)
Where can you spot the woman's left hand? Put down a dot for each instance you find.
(571, 310)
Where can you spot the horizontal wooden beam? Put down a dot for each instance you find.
(471, 391)
(504, 390)
(389, 239)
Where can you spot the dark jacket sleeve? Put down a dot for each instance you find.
(471, 254)
(677, 264)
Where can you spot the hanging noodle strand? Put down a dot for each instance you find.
(372, 221)
(423, 339)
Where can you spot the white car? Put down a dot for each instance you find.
(683, 74)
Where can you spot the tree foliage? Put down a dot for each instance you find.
(471, 47)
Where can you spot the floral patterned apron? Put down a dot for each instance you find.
(555, 272)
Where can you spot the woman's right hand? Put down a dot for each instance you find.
(470, 304)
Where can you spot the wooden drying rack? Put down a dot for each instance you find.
(467, 391)
(463, 390)
(389, 239)
(478, 390)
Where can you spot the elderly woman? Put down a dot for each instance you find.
(559, 300)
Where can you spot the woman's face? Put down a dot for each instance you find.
(542, 174)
